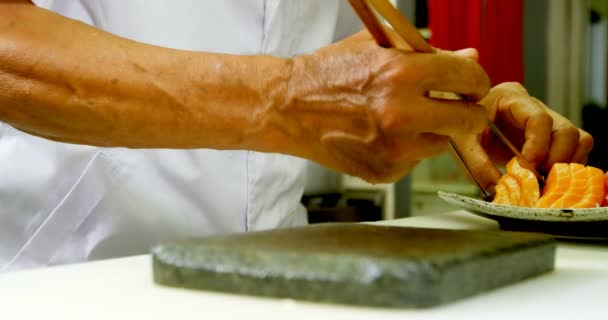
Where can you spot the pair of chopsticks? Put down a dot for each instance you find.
(408, 34)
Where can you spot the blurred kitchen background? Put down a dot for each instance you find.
(556, 48)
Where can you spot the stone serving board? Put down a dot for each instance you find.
(356, 264)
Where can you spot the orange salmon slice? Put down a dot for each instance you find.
(572, 185)
(517, 187)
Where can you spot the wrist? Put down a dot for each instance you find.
(301, 115)
(275, 126)
(326, 100)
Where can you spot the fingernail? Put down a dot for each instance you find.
(470, 53)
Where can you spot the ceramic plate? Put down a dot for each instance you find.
(584, 224)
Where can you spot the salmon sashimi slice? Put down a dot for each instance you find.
(575, 187)
(556, 185)
(530, 190)
(513, 188)
(568, 185)
(517, 187)
(593, 190)
(605, 203)
(572, 185)
(502, 194)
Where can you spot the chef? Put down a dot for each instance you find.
(125, 123)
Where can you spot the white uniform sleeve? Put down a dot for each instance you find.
(348, 22)
(41, 3)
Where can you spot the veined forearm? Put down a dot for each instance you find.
(67, 81)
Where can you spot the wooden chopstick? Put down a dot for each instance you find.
(401, 25)
(372, 24)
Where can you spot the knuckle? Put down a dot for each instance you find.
(512, 86)
(476, 74)
(402, 69)
(509, 98)
(482, 79)
(570, 131)
(386, 117)
(545, 117)
(542, 119)
(586, 140)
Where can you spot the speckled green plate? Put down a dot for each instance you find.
(582, 224)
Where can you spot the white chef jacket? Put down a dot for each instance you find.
(63, 203)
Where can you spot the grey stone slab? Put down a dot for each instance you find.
(365, 265)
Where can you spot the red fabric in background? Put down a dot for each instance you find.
(493, 27)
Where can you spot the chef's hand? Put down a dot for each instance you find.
(542, 135)
(365, 110)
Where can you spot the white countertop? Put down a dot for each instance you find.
(123, 288)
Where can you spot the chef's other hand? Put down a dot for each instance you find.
(542, 135)
(366, 111)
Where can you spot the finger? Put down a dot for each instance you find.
(482, 168)
(515, 87)
(563, 145)
(448, 72)
(470, 53)
(537, 132)
(583, 148)
(519, 112)
(499, 94)
(445, 117)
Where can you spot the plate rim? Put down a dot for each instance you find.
(478, 206)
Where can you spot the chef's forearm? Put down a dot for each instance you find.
(67, 81)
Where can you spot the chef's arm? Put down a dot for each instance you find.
(67, 81)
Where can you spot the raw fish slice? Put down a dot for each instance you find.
(517, 187)
(577, 181)
(530, 190)
(555, 186)
(573, 186)
(594, 192)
